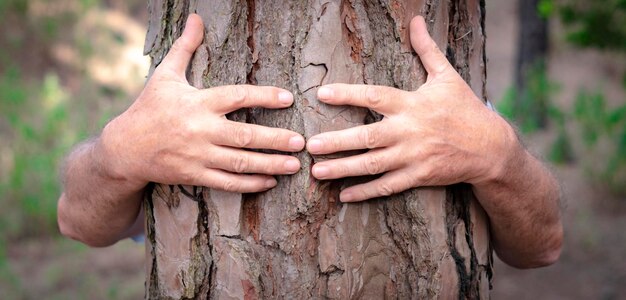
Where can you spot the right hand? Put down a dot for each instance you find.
(177, 134)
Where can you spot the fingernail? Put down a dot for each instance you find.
(320, 172)
(346, 197)
(296, 143)
(270, 183)
(315, 145)
(324, 93)
(285, 97)
(292, 165)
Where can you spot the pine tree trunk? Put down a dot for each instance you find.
(297, 241)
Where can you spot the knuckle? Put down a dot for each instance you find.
(337, 144)
(186, 177)
(190, 129)
(240, 163)
(340, 170)
(243, 136)
(274, 165)
(276, 139)
(409, 181)
(177, 46)
(187, 97)
(369, 137)
(373, 96)
(229, 185)
(426, 175)
(238, 95)
(384, 189)
(372, 165)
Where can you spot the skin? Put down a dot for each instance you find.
(442, 134)
(105, 178)
(438, 135)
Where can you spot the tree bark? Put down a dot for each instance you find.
(297, 240)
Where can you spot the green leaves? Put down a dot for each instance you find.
(546, 8)
(598, 24)
(603, 131)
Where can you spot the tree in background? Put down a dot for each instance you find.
(600, 25)
(530, 106)
(297, 240)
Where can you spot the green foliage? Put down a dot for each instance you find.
(39, 118)
(603, 132)
(545, 8)
(18, 7)
(506, 105)
(561, 151)
(39, 134)
(603, 135)
(528, 108)
(599, 24)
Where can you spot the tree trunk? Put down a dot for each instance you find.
(531, 106)
(297, 240)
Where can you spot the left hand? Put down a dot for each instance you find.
(440, 134)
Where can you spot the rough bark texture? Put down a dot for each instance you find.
(297, 241)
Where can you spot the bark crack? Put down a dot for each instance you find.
(251, 19)
(401, 247)
(152, 287)
(288, 244)
(323, 77)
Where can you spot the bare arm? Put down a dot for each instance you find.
(443, 134)
(523, 204)
(92, 195)
(172, 134)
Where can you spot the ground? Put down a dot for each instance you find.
(591, 265)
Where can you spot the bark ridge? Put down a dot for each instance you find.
(297, 240)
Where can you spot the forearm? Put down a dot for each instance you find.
(97, 206)
(523, 204)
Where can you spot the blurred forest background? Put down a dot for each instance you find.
(68, 66)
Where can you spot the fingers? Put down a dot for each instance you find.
(183, 48)
(251, 136)
(370, 163)
(382, 99)
(389, 184)
(361, 137)
(434, 61)
(239, 183)
(242, 161)
(226, 99)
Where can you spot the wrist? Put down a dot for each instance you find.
(111, 162)
(507, 155)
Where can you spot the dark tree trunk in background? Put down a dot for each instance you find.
(297, 241)
(532, 51)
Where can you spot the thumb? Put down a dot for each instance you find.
(432, 58)
(183, 48)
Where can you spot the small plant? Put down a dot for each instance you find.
(527, 108)
(561, 151)
(603, 132)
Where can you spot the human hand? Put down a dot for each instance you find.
(440, 134)
(177, 134)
